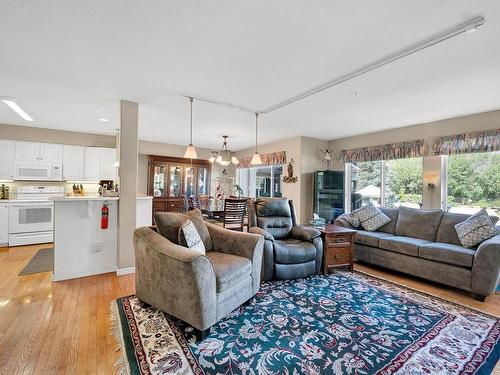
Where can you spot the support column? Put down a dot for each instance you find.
(129, 121)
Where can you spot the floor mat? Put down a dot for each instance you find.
(42, 261)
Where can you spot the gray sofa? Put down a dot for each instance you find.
(424, 243)
(290, 250)
(198, 289)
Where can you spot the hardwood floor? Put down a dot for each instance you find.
(64, 327)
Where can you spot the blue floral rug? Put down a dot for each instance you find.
(345, 323)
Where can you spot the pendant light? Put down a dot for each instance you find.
(256, 157)
(190, 150)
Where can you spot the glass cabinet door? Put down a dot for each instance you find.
(159, 179)
(189, 181)
(175, 181)
(202, 181)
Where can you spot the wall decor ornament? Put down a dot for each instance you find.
(326, 158)
(290, 177)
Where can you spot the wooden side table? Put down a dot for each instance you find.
(338, 247)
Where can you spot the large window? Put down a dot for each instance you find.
(474, 183)
(390, 183)
(262, 181)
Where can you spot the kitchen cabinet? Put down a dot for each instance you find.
(36, 153)
(73, 162)
(107, 170)
(50, 153)
(6, 160)
(91, 166)
(4, 224)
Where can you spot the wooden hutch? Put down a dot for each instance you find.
(170, 179)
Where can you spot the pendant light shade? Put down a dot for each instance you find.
(190, 150)
(256, 157)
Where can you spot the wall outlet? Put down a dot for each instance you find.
(96, 247)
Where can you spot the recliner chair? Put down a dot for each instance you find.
(290, 251)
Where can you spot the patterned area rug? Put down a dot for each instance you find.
(345, 323)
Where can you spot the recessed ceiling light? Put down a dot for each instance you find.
(15, 107)
(103, 119)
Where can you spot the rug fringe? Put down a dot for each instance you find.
(121, 364)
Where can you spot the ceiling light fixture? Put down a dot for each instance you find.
(102, 119)
(190, 150)
(15, 107)
(256, 157)
(224, 156)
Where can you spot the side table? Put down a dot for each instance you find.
(338, 247)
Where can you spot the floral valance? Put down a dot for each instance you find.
(267, 159)
(390, 151)
(485, 141)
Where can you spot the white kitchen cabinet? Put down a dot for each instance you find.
(91, 167)
(6, 160)
(50, 153)
(107, 166)
(4, 224)
(36, 153)
(73, 162)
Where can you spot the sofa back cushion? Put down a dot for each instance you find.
(391, 225)
(447, 232)
(169, 223)
(275, 216)
(417, 223)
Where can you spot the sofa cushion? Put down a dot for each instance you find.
(417, 223)
(401, 244)
(370, 238)
(292, 251)
(169, 223)
(392, 213)
(447, 253)
(228, 269)
(476, 229)
(447, 232)
(370, 217)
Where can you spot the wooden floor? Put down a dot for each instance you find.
(64, 327)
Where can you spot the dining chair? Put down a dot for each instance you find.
(234, 213)
(195, 202)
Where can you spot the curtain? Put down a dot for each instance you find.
(390, 151)
(485, 141)
(267, 159)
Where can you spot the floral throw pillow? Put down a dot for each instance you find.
(191, 236)
(370, 217)
(475, 229)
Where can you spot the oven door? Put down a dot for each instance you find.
(25, 217)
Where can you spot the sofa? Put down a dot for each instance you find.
(197, 288)
(290, 250)
(424, 243)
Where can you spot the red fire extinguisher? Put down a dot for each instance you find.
(104, 216)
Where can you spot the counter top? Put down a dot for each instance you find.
(93, 198)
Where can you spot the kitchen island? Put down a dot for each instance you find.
(81, 246)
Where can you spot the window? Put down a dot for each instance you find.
(261, 181)
(474, 183)
(389, 183)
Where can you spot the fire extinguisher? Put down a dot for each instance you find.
(104, 216)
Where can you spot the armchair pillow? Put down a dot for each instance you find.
(475, 229)
(189, 236)
(305, 233)
(370, 217)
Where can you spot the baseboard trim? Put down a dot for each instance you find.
(75, 275)
(125, 271)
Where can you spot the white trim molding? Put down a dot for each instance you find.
(125, 271)
(75, 275)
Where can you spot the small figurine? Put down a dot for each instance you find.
(290, 177)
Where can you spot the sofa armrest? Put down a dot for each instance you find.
(262, 232)
(342, 222)
(304, 233)
(248, 245)
(486, 267)
(175, 279)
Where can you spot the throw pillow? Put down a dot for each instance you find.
(370, 217)
(475, 229)
(191, 237)
(354, 221)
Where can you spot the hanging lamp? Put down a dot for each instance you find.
(190, 150)
(256, 157)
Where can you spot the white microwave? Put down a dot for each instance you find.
(38, 172)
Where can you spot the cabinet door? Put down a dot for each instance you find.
(91, 165)
(189, 181)
(159, 173)
(73, 162)
(107, 164)
(175, 181)
(203, 184)
(28, 151)
(50, 153)
(6, 160)
(4, 224)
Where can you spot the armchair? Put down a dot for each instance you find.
(199, 289)
(290, 250)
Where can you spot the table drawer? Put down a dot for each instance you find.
(339, 256)
(175, 206)
(340, 240)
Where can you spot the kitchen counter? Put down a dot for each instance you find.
(94, 198)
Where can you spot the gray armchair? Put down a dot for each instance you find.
(290, 251)
(198, 289)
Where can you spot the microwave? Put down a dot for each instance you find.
(41, 172)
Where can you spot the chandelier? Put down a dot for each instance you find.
(224, 156)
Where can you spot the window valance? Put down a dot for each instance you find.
(390, 151)
(485, 141)
(267, 159)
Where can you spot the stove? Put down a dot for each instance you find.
(31, 215)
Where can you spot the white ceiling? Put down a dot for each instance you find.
(70, 62)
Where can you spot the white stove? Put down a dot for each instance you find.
(31, 215)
